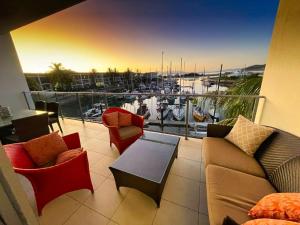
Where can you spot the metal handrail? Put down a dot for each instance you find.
(149, 94)
(146, 93)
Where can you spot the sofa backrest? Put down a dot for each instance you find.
(279, 157)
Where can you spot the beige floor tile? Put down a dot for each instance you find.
(112, 223)
(84, 194)
(203, 199)
(202, 173)
(102, 167)
(58, 211)
(136, 209)
(106, 198)
(186, 168)
(94, 157)
(203, 219)
(182, 191)
(195, 142)
(190, 152)
(86, 216)
(103, 147)
(172, 214)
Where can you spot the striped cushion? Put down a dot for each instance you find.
(277, 150)
(286, 178)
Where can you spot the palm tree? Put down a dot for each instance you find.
(93, 78)
(60, 77)
(235, 106)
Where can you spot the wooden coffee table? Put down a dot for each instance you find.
(146, 163)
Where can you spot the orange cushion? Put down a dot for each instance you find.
(270, 222)
(285, 206)
(125, 119)
(112, 119)
(67, 155)
(45, 149)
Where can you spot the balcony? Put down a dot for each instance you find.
(183, 201)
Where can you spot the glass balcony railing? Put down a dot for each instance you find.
(180, 114)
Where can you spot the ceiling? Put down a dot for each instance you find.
(18, 13)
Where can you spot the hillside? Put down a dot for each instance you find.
(256, 68)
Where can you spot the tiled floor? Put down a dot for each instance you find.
(183, 201)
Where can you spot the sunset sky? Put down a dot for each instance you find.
(132, 34)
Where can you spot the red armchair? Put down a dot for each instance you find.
(50, 182)
(124, 136)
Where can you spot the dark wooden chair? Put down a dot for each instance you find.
(28, 128)
(40, 105)
(53, 107)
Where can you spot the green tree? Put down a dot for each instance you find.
(235, 106)
(60, 77)
(33, 84)
(93, 78)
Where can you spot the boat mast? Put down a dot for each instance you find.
(180, 75)
(218, 90)
(194, 78)
(162, 68)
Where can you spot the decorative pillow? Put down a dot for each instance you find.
(112, 119)
(247, 135)
(228, 221)
(125, 119)
(285, 206)
(67, 155)
(270, 222)
(45, 149)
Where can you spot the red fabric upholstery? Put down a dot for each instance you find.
(50, 182)
(18, 156)
(114, 131)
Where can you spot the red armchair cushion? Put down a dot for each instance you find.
(45, 149)
(112, 119)
(125, 119)
(67, 155)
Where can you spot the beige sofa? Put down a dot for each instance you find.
(235, 181)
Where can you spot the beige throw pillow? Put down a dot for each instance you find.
(247, 135)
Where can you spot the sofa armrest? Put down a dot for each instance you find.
(215, 130)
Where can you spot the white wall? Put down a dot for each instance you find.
(281, 82)
(12, 80)
(15, 208)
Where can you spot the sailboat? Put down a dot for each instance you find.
(198, 114)
(143, 111)
(178, 113)
(163, 110)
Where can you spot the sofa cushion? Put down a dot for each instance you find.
(247, 135)
(219, 151)
(130, 131)
(233, 193)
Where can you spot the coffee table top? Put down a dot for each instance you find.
(148, 157)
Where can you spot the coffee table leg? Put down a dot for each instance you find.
(157, 200)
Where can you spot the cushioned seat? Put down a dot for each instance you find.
(130, 131)
(218, 151)
(233, 193)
